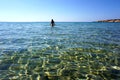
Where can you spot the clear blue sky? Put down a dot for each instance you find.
(59, 10)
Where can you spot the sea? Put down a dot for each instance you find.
(67, 51)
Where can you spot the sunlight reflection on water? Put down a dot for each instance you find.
(64, 52)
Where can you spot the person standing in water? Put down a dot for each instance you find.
(52, 23)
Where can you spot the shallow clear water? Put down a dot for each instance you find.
(68, 51)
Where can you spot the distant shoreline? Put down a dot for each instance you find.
(109, 20)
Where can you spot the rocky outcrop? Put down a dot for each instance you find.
(110, 20)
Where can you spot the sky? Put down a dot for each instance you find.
(59, 10)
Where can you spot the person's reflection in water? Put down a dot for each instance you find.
(52, 23)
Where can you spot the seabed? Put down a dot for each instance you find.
(52, 63)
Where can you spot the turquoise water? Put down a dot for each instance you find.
(68, 51)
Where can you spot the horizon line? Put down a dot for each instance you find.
(46, 21)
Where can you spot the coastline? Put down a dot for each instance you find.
(109, 20)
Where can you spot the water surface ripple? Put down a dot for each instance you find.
(68, 51)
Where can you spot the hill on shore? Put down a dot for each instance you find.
(109, 20)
